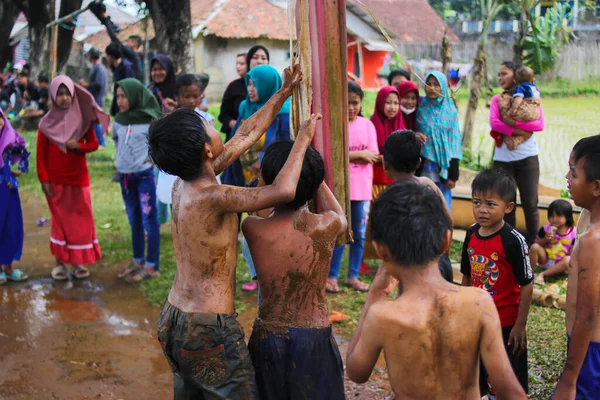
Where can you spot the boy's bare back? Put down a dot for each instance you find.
(292, 253)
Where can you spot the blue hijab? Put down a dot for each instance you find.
(438, 120)
(267, 81)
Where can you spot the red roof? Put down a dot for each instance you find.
(101, 39)
(410, 20)
(251, 19)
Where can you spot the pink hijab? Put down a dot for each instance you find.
(61, 125)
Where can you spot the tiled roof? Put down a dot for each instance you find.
(251, 19)
(411, 20)
(101, 39)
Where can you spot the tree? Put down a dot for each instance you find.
(8, 15)
(38, 13)
(65, 36)
(527, 9)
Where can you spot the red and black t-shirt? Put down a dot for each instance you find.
(498, 263)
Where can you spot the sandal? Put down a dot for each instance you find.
(129, 269)
(358, 285)
(139, 276)
(60, 273)
(2, 278)
(80, 272)
(332, 286)
(17, 276)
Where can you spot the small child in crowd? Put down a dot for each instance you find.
(189, 92)
(363, 153)
(401, 158)
(434, 332)
(12, 152)
(495, 257)
(292, 345)
(581, 376)
(205, 232)
(552, 248)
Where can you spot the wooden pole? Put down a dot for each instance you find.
(321, 33)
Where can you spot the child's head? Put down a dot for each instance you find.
(188, 91)
(409, 226)
(23, 78)
(401, 152)
(180, 143)
(355, 97)
(134, 42)
(524, 74)
(311, 176)
(398, 76)
(583, 178)
(494, 194)
(43, 81)
(560, 213)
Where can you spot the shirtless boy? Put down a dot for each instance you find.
(581, 376)
(292, 346)
(197, 328)
(401, 158)
(434, 332)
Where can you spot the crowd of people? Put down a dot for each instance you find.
(404, 164)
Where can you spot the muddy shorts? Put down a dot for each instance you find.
(207, 355)
(295, 363)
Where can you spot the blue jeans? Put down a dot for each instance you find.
(360, 216)
(139, 193)
(447, 194)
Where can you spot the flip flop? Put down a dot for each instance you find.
(129, 269)
(142, 273)
(332, 286)
(17, 276)
(60, 273)
(2, 278)
(80, 272)
(358, 286)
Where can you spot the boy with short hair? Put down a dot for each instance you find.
(401, 158)
(434, 332)
(581, 376)
(495, 257)
(292, 346)
(197, 327)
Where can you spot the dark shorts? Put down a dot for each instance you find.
(588, 381)
(517, 362)
(207, 355)
(295, 363)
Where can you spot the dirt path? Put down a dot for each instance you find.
(92, 339)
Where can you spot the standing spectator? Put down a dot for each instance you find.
(364, 152)
(521, 163)
(409, 102)
(437, 118)
(122, 69)
(398, 76)
(96, 83)
(162, 82)
(137, 108)
(66, 134)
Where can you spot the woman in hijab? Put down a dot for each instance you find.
(263, 81)
(162, 82)
(437, 119)
(137, 108)
(66, 134)
(236, 92)
(387, 119)
(12, 152)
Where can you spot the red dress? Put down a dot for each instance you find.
(72, 231)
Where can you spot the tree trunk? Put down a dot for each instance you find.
(519, 45)
(65, 36)
(446, 54)
(173, 27)
(8, 16)
(39, 14)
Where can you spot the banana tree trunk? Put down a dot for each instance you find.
(321, 33)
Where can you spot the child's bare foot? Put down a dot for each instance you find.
(332, 286)
(357, 285)
(80, 272)
(539, 280)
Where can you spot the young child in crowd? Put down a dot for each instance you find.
(189, 92)
(292, 345)
(552, 248)
(205, 232)
(12, 152)
(433, 334)
(66, 134)
(401, 158)
(137, 108)
(363, 153)
(581, 376)
(495, 257)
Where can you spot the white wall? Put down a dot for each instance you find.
(216, 56)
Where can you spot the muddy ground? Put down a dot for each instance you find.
(91, 339)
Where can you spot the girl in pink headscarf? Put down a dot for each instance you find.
(12, 152)
(66, 134)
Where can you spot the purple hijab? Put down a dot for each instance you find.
(9, 138)
(167, 88)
